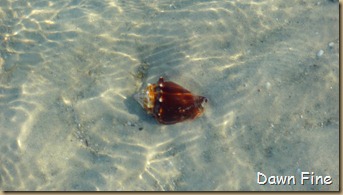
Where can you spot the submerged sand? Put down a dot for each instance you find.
(69, 70)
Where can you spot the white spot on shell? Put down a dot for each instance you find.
(160, 99)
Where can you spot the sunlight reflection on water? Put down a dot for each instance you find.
(69, 69)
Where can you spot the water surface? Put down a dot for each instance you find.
(69, 69)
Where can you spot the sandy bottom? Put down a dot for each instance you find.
(69, 69)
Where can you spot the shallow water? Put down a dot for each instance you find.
(69, 69)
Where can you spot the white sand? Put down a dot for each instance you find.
(69, 69)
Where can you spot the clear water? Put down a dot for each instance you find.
(69, 69)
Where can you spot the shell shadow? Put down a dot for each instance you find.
(159, 59)
(162, 59)
(133, 107)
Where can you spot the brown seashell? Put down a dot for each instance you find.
(170, 103)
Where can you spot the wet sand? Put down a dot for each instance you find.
(69, 70)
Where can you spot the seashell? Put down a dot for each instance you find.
(170, 103)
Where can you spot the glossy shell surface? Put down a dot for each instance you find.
(170, 103)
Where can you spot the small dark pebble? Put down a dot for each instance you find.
(315, 66)
(140, 128)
